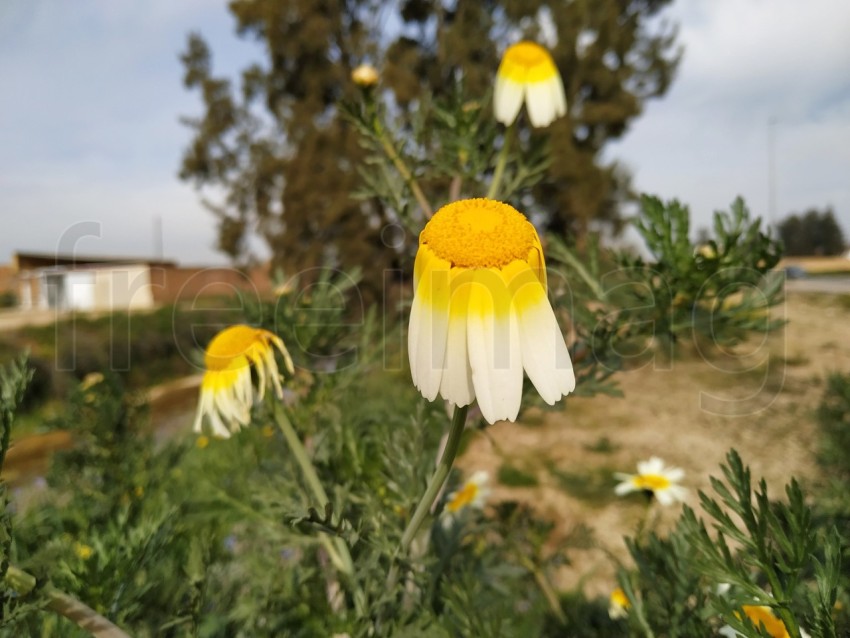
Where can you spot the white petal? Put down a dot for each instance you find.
(199, 413)
(540, 103)
(664, 497)
(559, 97)
(624, 488)
(218, 428)
(428, 332)
(544, 353)
(674, 474)
(494, 349)
(653, 466)
(456, 384)
(507, 100)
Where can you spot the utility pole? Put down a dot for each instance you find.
(157, 237)
(771, 171)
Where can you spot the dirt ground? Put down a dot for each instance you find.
(758, 398)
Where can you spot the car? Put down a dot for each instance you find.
(795, 272)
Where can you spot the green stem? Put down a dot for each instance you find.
(337, 548)
(437, 479)
(301, 456)
(545, 586)
(409, 179)
(566, 255)
(493, 192)
(81, 614)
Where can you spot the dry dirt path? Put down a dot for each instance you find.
(758, 398)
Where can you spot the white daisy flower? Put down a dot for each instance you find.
(226, 389)
(480, 313)
(472, 494)
(618, 604)
(527, 72)
(654, 477)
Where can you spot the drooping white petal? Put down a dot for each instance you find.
(456, 384)
(203, 401)
(541, 103)
(507, 100)
(544, 353)
(559, 97)
(218, 427)
(429, 325)
(494, 348)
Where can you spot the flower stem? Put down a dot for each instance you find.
(499, 172)
(545, 586)
(437, 479)
(300, 454)
(84, 616)
(402, 168)
(336, 547)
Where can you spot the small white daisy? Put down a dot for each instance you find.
(654, 477)
(618, 604)
(472, 494)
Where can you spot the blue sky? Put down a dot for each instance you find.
(91, 92)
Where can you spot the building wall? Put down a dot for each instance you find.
(170, 285)
(123, 287)
(43, 282)
(7, 280)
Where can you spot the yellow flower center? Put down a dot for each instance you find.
(463, 497)
(233, 345)
(83, 551)
(527, 62)
(526, 54)
(763, 615)
(652, 482)
(618, 598)
(479, 233)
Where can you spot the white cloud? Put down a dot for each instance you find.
(93, 91)
(745, 62)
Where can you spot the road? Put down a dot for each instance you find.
(830, 285)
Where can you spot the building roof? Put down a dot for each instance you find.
(29, 261)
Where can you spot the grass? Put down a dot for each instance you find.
(512, 476)
(594, 486)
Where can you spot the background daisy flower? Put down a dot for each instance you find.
(365, 75)
(480, 313)
(618, 604)
(528, 72)
(761, 615)
(226, 389)
(473, 493)
(654, 477)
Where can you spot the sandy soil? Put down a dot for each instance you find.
(758, 398)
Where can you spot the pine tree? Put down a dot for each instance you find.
(812, 233)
